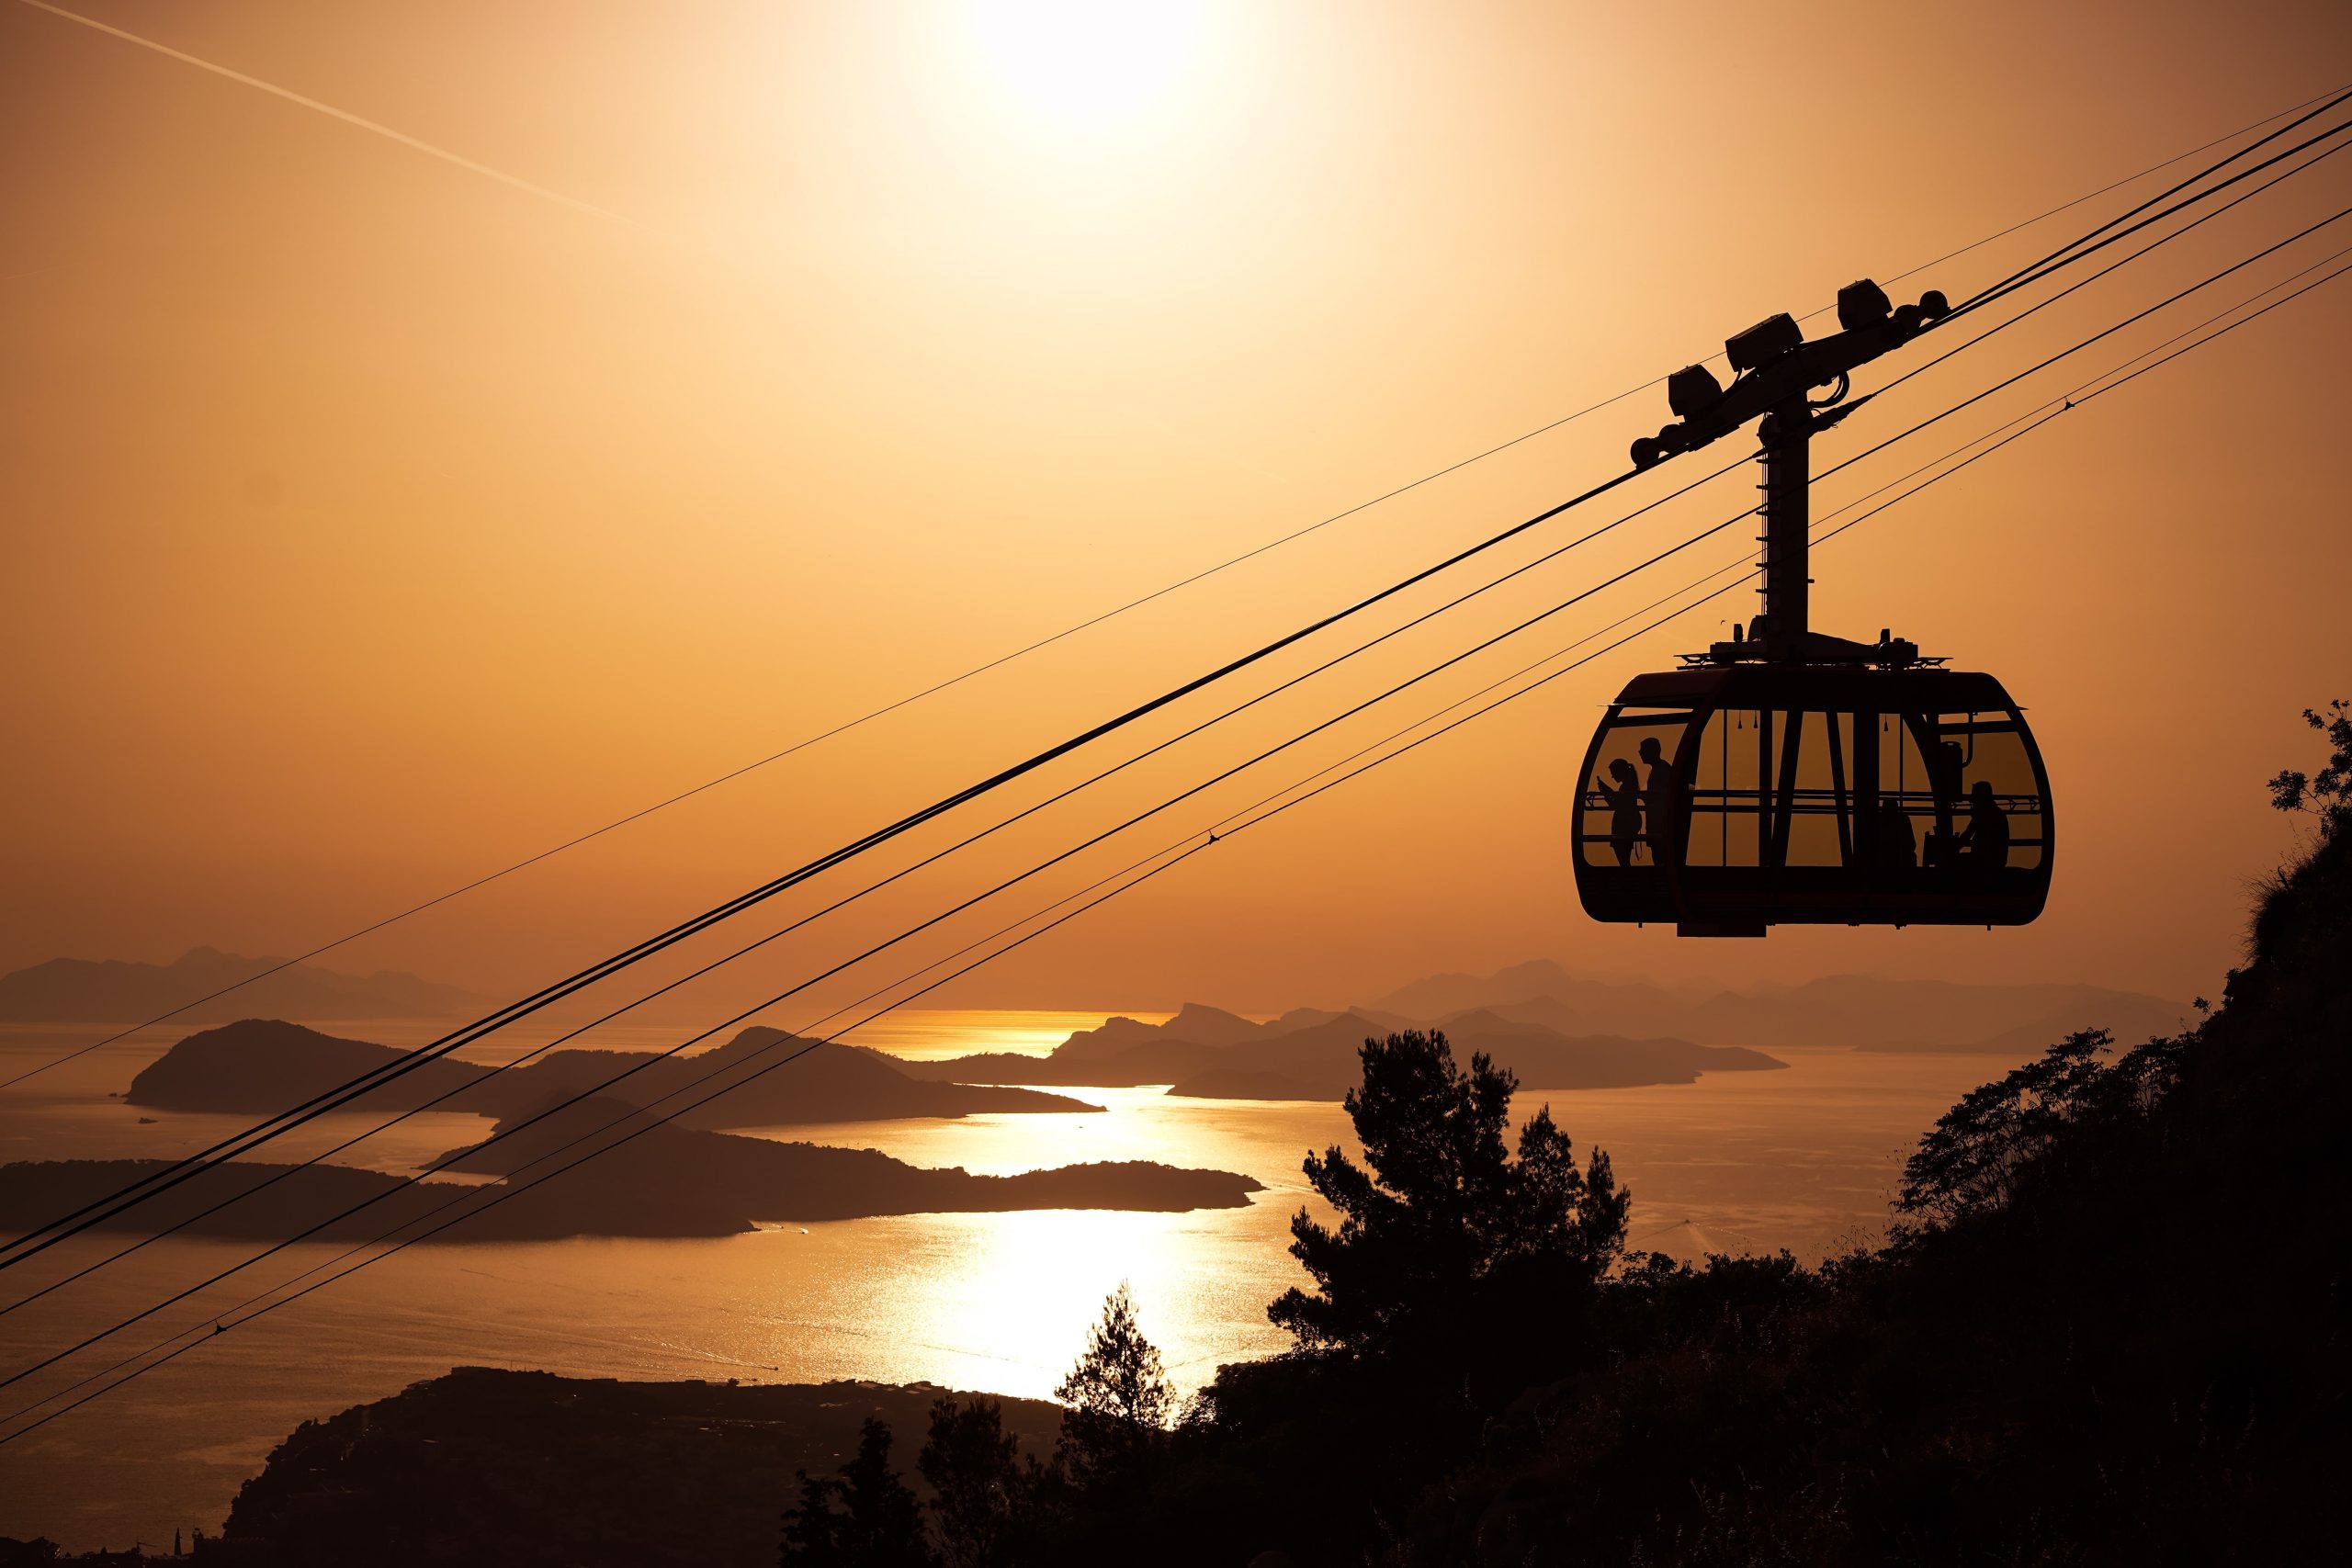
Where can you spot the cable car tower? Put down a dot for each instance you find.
(1791, 777)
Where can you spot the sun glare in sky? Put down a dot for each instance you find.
(1076, 67)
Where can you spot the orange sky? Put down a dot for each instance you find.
(373, 522)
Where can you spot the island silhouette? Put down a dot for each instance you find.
(261, 1066)
(669, 1181)
(1551, 1027)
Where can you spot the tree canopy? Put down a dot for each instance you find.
(1120, 1400)
(863, 1518)
(1440, 1217)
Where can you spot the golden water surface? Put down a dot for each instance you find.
(1803, 1159)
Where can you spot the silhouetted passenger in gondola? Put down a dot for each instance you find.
(1983, 844)
(1624, 808)
(1657, 797)
(1898, 850)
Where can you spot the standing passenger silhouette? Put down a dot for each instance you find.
(1983, 844)
(1657, 798)
(1624, 808)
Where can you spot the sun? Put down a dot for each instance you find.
(1084, 65)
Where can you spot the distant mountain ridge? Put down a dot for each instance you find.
(1557, 1031)
(1857, 1011)
(1310, 1054)
(83, 990)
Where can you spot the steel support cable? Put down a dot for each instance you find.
(469, 1193)
(1087, 623)
(591, 1091)
(173, 1175)
(2059, 258)
(1216, 828)
(841, 728)
(2115, 265)
(1212, 837)
(503, 1194)
(2044, 417)
(1213, 830)
(52, 1360)
(2075, 394)
(1744, 564)
(2028, 280)
(272, 1127)
(2201, 343)
(242, 1194)
(283, 1174)
(1149, 812)
(2122, 376)
(220, 1328)
(2169, 299)
(1400, 628)
(2326, 102)
(2119, 326)
(1153, 811)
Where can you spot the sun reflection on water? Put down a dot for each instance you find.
(1000, 1301)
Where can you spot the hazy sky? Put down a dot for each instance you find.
(376, 517)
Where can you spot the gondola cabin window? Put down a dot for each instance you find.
(1778, 787)
(1771, 788)
(1730, 799)
(1628, 798)
(1996, 800)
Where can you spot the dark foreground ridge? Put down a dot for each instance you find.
(671, 1182)
(654, 1475)
(258, 1067)
(2110, 1331)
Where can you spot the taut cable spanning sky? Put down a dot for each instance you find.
(594, 1089)
(40, 1240)
(844, 726)
(1093, 895)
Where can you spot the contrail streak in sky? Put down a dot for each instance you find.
(459, 160)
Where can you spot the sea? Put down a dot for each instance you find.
(1805, 1159)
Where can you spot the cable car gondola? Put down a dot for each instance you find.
(1788, 777)
(1897, 795)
